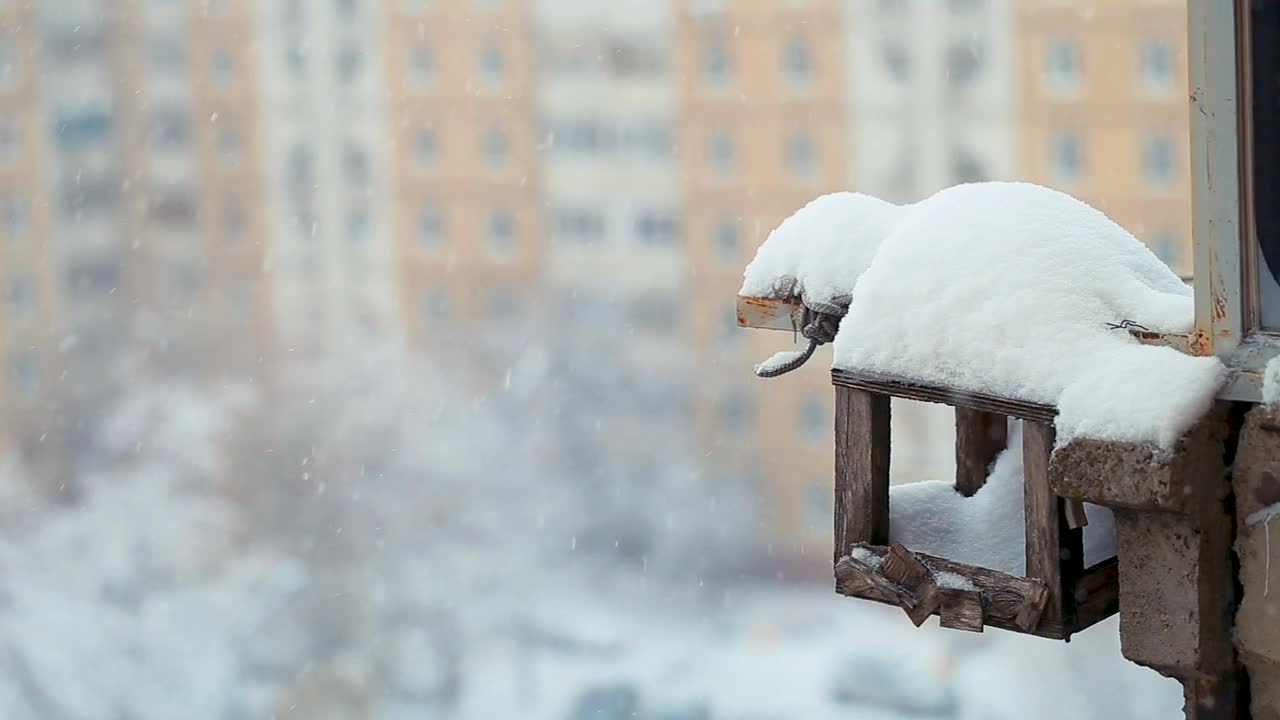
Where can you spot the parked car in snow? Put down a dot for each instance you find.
(607, 702)
(909, 684)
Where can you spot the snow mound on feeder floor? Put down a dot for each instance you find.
(1016, 290)
(986, 529)
(822, 248)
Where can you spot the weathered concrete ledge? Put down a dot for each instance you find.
(1256, 479)
(1140, 476)
(1177, 589)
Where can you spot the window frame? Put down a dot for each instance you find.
(1224, 251)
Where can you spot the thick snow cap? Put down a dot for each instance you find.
(1007, 288)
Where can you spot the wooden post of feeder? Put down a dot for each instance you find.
(862, 469)
(980, 436)
(1055, 551)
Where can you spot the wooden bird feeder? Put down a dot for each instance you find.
(1058, 596)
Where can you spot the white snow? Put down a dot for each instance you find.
(1271, 382)
(953, 581)
(1004, 288)
(777, 360)
(866, 557)
(1263, 517)
(824, 246)
(986, 529)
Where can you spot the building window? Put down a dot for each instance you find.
(1157, 65)
(797, 63)
(233, 219)
(355, 165)
(295, 58)
(964, 63)
(725, 240)
(167, 53)
(348, 64)
(426, 146)
(301, 166)
(10, 140)
(184, 279)
(656, 228)
(800, 154)
(169, 129)
(965, 167)
(84, 126)
(896, 60)
(813, 418)
(492, 64)
(503, 306)
(437, 305)
(223, 65)
(420, 59)
(588, 137)
(1157, 160)
(496, 148)
(731, 335)
(8, 64)
(652, 313)
(502, 232)
(581, 226)
(430, 228)
(229, 143)
(819, 500)
(720, 153)
(21, 296)
(15, 217)
(1166, 247)
(26, 372)
(650, 139)
(1067, 156)
(1062, 65)
(716, 65)
(735, 412)
(357, 226)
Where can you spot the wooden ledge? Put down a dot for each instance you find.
(908, 580)
(768, 313)
(893, 386)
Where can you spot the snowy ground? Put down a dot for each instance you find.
(806, 655)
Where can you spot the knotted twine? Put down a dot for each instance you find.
(819, 322)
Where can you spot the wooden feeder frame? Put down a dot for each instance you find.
(1057, 597)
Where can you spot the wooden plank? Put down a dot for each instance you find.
(854, 577)
(1055, 551)
(1031, 613)
(902, 567)
(1005, 597)
(767, 313)
(961, 609)
(914, 390)
(1096, 594)
(861, 470)
(980, 436)
(1076, 517)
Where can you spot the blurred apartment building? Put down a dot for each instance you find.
(466, 172)
(1102, 93)
(326, 158)
(128, 191)
(299, 175)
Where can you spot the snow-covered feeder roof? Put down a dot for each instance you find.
(1011, 289)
